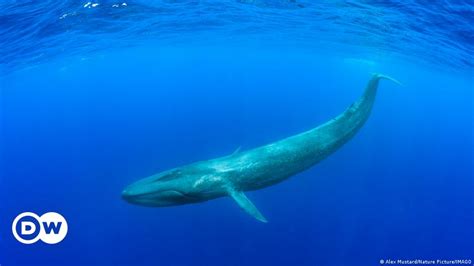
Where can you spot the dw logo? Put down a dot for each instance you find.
(28, 228)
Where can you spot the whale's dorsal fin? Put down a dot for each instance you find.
(246, 204)
(236, 151)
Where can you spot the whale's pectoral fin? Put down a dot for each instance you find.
(246, 205)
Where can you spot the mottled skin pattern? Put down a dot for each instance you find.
(253, 169)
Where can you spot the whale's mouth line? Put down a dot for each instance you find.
(149, 195)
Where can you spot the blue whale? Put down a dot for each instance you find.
(253, 169)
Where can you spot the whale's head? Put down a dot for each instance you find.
(169, 188)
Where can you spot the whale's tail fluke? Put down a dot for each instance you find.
(381, 76)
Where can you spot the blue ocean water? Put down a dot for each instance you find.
(96, 95)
